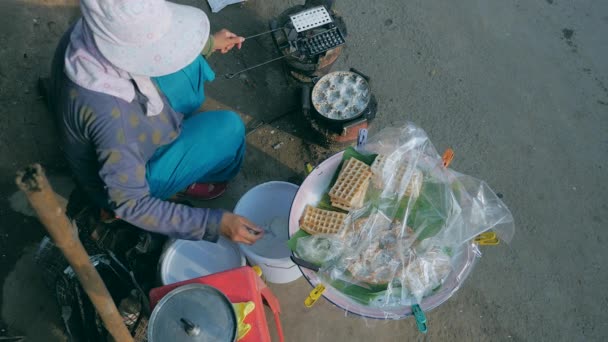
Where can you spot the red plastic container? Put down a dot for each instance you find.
(239, 285)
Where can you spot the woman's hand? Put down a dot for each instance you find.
(239, 229)
(225, 40)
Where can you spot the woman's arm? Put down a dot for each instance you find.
(124, 174)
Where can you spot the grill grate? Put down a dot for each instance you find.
(322, 42)
(309, 19)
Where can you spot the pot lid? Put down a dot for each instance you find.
(185, 259)
(193, 312)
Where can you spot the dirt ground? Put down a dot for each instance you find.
(518, 88)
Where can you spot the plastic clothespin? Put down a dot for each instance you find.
(258, 270)
(309, 168)
(487, 239)
(420, 318)
(314, 295)
(362, 137)
(447, 157)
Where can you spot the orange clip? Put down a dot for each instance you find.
(448, 155)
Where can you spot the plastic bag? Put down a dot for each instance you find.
(318, 249)
(418, 217)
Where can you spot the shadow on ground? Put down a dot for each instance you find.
(262, 93)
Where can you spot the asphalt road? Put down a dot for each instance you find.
(519, 89)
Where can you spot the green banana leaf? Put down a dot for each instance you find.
(325, 202)
(430, 211)
(360, 294)
(292, 243)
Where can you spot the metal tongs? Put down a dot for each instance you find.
(273, 30)
(233, 75)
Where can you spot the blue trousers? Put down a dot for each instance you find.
(211, 146)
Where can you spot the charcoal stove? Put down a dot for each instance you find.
(339, 105)
(310, 38)
(304, 66)
(311, 71)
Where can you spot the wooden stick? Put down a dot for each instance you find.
(41, 196)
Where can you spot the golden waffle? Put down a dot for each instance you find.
(358, 200)
(319, 221)
(360, 223)
(377, 171)
(378, 165)
(351, 183)
(342, 206)
(415, 182)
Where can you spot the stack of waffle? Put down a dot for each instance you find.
(319, 221)
(397, 183)
(349, 191)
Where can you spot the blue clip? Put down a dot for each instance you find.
(362, 137)
(420, 318)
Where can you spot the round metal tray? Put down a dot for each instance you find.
(341, 95)
(310, 192)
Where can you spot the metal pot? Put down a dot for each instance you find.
(341, 95)
(193, 312)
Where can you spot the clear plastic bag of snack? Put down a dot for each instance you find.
(417, 217)
(318, 249)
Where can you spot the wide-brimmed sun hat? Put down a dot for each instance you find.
(146, 37)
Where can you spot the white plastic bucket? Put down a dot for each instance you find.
(268, 206)
(184, 260)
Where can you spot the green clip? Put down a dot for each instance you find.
(420, 318)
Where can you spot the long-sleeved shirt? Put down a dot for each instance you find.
(108, 141)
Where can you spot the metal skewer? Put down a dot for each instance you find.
(263, 33)
(232, 75)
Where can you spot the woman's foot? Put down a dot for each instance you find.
(204, 191)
